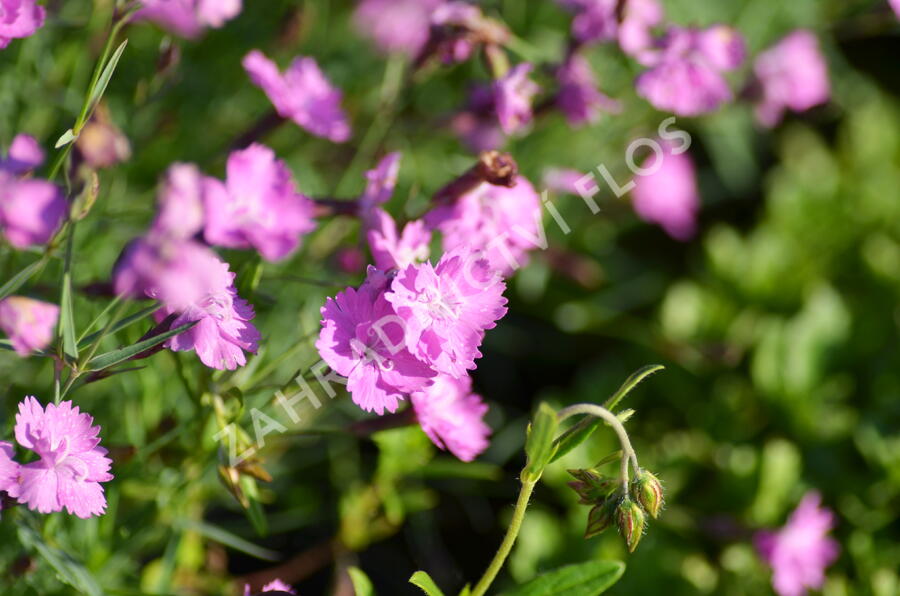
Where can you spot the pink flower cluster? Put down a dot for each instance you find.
(31, 210)
(667, 194)
(800, 552)
(257, 206)
(189, 18)
(28, 323)
(70, 467)
(19, 19)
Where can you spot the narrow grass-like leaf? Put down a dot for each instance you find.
(584, 579)
(231, 540)
(630, 383)
(575, 435)
(362, 585)
(120, 324)
(539, 445)
(116, 356)
(425, 583)
(100, 87)
(68, 570)
(66, 138)
(19, 279)
(66, 318)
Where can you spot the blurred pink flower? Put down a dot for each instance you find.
(302, 93)
(446, 309)
(595, 20)
(477, 125)
(393, 251)
(792, 75)
(800, 551)
(452, 416)
(512, 95)
(579, 99)
(25, 154)
(380, 183)
(276, 585)
(180, 213)
(668, 196)
(189, 18)
(638, 19)
(685, 77)
(396, 25)
(71, 466)
(28, 323)
(362, 338)
(9, 470)
(19, 19)
(502, 222)
(258, 205)
(895, 4)
(562, 180)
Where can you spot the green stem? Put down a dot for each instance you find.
(628, 454)
(506, 546)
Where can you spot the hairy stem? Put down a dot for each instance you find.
(628, 454)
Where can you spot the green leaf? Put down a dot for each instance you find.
(66, 317)
(539, 445)
(583, 579)
(630, 383)
(21, 277)
(575, 436)
(362, 585)
(121, 355)
(66, 138)
(68, 570)
(228, 539)
(100, 88)
(425, 583)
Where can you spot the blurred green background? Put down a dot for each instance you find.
(778, 324)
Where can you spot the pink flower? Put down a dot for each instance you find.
(302, 94)
(71, 466)
(276, 585)
(393, 251)
(28, 323)
(513, 94)
(380, 183)
(452, 416)
(31, 210)
(638, 18)
(502, 222)
(895, 4)
(446, 309)
(685, 77)
(477, 125)
(258, 206)
(800, 551)
(180, 213)
(396, 25)
(668, 196)
(363, 339)
(189, 18)
(578, 98)
(792, 75)
(9, 470)
(562, 180)
(595, 20)
(19, 19)
(25, 154)
(454, 22)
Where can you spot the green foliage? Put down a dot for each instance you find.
(583, 579)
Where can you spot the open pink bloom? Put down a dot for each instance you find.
(28, 323)
(446, 309)
(25, 154)
(71, 466)
(380, 183)
(396, 25)
(302, 93)
(31, 210)
(189, 18)
(452, 416)
(258, 206)
(393, 251)
(685, 77)
(579, 99)
(668, 196)
(800, 551)
(275, 585)
(792, 75)
(9, 470)
(504, 223)
(638, 19)
(513, 94)
(180, 212)
(362, 338)
(19, 19)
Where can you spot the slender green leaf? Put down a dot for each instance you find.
(121, 355)
(100, 88)
(66, 318)
(19, 279)
(575, 435)
(425, 583)
(68, 570)
(583, 579)
(120, 324)
(66, 138)
(362, 585)
(539, 445)
(630, 383)
(231, 540)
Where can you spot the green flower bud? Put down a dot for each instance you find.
(647, 490)
(592, 486)
(601, 517)
(630, 519)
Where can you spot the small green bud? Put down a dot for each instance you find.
(592, 486)
(630, 519)
(601, 517)
(647, 490)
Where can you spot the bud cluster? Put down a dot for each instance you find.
(613, 503)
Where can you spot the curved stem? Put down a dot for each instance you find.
(628, 454)
(506, 546)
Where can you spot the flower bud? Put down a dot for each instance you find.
(601, 517)
(647, 490)
(591, 486)
(630, 519)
